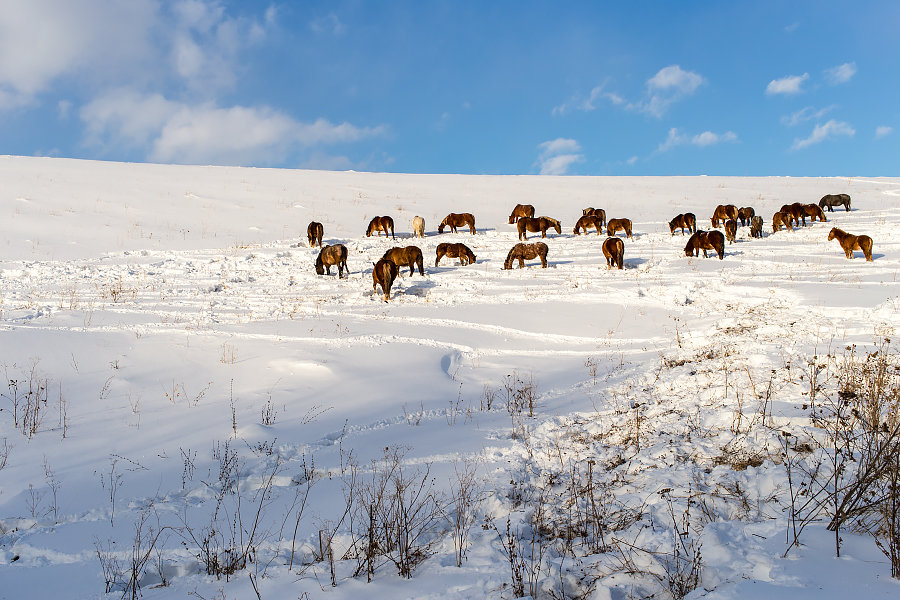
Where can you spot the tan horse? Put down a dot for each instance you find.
(850, 242)
(521, 210)
(745, 214)
(332, 255)
(597, 212)
(314, 233)
(831, 200)
(418, 226)
(705, 240)
(460, 251)
(614, 225)
(587, 222)
(379, 224)
(814, 211)
(456, 220)
(780, 220)
(614, 251)
(686, 221)
(731, 230)
(533, 225)
(410, 256)
(724, 212)
(523, 252)
(384, 274)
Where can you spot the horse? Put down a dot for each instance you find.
(724, 212)
(614, 251)
(460, 251)
(524, 252)
(332, 255)
(534, 225)
(756, 225)
(730, 230)
(794, 212)
(380, 224)
(614, 225)
(454, 220)
(745, 214)
(521, 210)
(705, 240)
(418, 226)
(687, 220)
(780, 220)
(814, 211)
(410, 256)
(587, 222)
(850, 242)
(597, 212)
(831, 200)
(384, 274)
(314, 233)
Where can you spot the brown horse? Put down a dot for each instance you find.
(724, 212)
(521, 210)
(597, 212)
(410, 256)
(379, 224)
(314, 233)
(460, 251)
(332, 255)
(794, 212)
(730, 230)
(384, 274)
(534, 225)
(756, 225)
(614, 225)
(745, 214)
(686, 221)
(455, 220)
(832, 200)
(814, 211)
(523, 252)
(614, 251)
(706, 240)
(850, 242)
(587, 222)
(780, 220)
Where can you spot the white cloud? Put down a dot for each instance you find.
(558, 155)
(590, 103)
(883, 131)
(822, 132)
(792, 84)
(707, 138)
(669, 85)
(841, 73)
(330, 23)
(806, 114)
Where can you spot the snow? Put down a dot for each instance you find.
(170, 309)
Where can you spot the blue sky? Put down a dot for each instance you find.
(475, 87)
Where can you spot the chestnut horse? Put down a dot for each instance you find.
(614, 251)
(687, 220)
(587, 222)
(460, 251)
(597, 212)
(745, 214)
(332, 255)
(795, 213)
(780, 220)
(706, 240)
(523, 252)
(379, 224)
(814, 211)
(614, 225)
(455, 220)
(521, 210)
(724, 212)
(756, 225)
(410, 256)
(533, 225)
(850, 242)
(314, 233)
(730, 230)
(384, 274)
(832, 200)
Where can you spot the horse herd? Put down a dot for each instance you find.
(387, 269)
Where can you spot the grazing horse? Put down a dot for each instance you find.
(384, 274)
(587, 222)
(534, 225)
(524, 252)
(379, 224)
(780, 220)
(687, 220)
(460, 251)
(730, 230)
(410, 256)
(705, 240)
(418, 226)
(614, 225)
(831, 200)
(597, 212)
(314, 233)
(850, 242)
(724, 212)
(455, 220)
(795, 213)
(332, 255)
(614, 251)
(814, 211)
(756, 225)
(745, 214)
(521, 210)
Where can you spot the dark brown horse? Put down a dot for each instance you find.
(780, 220)
(614, 225)
(384, 274)
(521, 210)
(686, 221)
(614, 251)
(794, 212)
(597, 212)
(724, 212)
(460, 251)
(731, 230)
(814, 211)
(314, 233)
(850, 242)
(706, 240)
(587, 222)
(534, 225)
(745, 214)
(410, 256)
(379, 224)
(756, 225)
(456, 220)
(332, 255)
(832, 200)
(523, 252)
